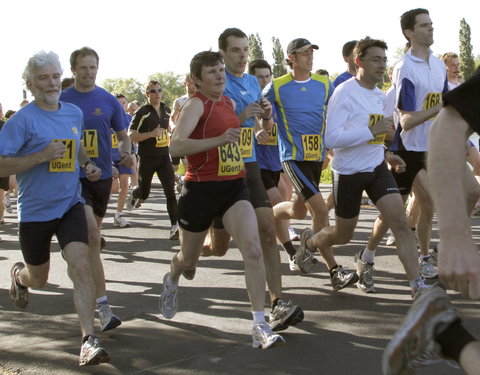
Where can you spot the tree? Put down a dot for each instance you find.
(278, 68)
(255, 50)
(130, 87)
(172, 85)
(467, 62)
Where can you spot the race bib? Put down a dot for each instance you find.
(114, 141)
(90, 142)
(246, 142)
(163, 140)
(67, 162)
(311, 147)
(431, 100)
(230, 161)
(379, 139)
(273, 136)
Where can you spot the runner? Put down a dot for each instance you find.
(207, 133)
(42, 145)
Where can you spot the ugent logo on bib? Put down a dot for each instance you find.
(67, 162)
(246, 142)
(311, 147)
(230, 160)
(163, 140)
(273, 136)
(90, 142)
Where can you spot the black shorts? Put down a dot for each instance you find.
(305, 176)
(97, 194)
(253, 179)
(270, 178)
(202, 202)
(36, 236)
(4, 184)
(415, 161)
(348, 189)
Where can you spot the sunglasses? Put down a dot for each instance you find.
(153, 91)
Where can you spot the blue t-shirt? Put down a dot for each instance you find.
(268, 155)
(342, 78)
(48, 190)
(244, 90)
(300, 108)
(101, 111)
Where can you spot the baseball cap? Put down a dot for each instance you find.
(299, 45)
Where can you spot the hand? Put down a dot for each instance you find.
(262, 136)
(115, 172)
(126, 160)
(230, 136)
(254, 109)
(92, 172)
(157, 132)
(459, 266)
(396, 162)
(267, 107)
(54, 150)
(381, 126)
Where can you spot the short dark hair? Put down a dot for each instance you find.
(232, 31)
(205, 58)
(67, 82)
(119, 95)
(322, 72)
(82, 52)
(364, 44)
(258, 64)
(152, 82)
(348, 48)
(408, 20)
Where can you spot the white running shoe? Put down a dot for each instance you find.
(119, 221)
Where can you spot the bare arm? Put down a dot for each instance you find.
(409, 120)
(182, 145)
(124, 146)
(459, 260)
(136, 137)
(10, 165)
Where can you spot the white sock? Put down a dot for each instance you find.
(258, 317)
(368, 256)
(101, 300)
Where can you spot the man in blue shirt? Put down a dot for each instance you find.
(42, 145)
(101, 111)
(347, 53)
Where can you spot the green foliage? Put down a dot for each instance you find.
(172, 85)
(326, 177)
(255, 50)
(130, 87)
(278, 67)
(467, 63)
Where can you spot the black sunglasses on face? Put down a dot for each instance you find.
(153, 91)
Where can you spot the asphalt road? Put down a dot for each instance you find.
(343, 332)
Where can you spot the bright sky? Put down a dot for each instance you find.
(141, 37)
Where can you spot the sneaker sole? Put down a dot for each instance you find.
(113, 323)
(19, 303)
(353, 280)
(394, 360)
(101, 357)
(295, 315)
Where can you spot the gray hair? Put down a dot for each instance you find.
(38, 60)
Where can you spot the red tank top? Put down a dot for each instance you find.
(220, 163)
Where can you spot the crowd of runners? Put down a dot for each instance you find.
(253, 148)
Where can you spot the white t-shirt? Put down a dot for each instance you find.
(419, 85)
(350, 111)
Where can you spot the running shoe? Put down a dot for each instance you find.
(390, 240)
(293, 264)
(7, 203)
(169, 298)
(427, 269)
(18, 294)
(341, 278)
(174, 232)
(108, 320)
(414, 345)
(365, 274)
(263, 336)
(293, 235)
(285, 314)
(92, 353)
(304, 257)
(119, 221)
